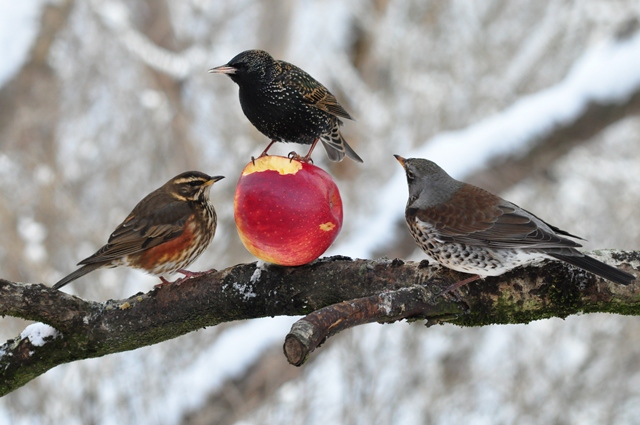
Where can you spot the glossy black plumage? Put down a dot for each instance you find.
(286, 104)
(471, 230)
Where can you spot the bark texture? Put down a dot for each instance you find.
(335, 293)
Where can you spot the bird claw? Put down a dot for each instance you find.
(187, 275)
(164, 282)
(264, 152)
(451, 291)
(450, 295)
(293, 155)
(253, 158)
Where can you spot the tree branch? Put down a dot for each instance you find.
(405, 303)
(382, 290)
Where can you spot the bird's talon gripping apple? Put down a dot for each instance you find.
(287, 212)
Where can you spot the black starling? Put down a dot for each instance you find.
(288, 105)
(471, 230)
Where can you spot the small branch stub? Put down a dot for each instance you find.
(310, 332)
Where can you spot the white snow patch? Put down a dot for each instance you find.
(609, 72)
(386, 303)
(19, 22)
(7, 166)
(33, 234)
(244, 289)
(260, 266)
(152, 99)
(115, 15)
(229, 357)
(44, 175)
(37, 332)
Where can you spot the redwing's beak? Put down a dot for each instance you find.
(213, 180)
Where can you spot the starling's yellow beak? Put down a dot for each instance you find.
(213, 180)
(223, 69)
(400, 160)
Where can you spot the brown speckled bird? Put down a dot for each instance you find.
(163, 234)
(471, 230)
(288, 105)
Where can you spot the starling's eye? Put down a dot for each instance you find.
(410, 175)
(240, 66)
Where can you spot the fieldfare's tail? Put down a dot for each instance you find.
(597, 267)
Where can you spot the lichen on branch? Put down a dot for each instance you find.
(335, 293)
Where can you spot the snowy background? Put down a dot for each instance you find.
(102, 101)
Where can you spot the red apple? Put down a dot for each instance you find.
(287, 212)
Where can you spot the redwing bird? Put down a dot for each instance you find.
(471, 230)
(163, 234)
(288, 105)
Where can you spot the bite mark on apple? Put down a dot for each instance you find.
(280, 164)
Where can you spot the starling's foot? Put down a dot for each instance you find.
(264, 152)
(307, 157)
(294, 156)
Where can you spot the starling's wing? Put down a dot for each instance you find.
(156, 219)
(313, 93)
(474, 216)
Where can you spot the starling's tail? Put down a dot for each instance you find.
(336, 146)
(78, 273)
(351, 153)
(333, 153)
(597, 267)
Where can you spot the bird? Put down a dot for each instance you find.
(164, 233)
(471, 230)
(288, 105)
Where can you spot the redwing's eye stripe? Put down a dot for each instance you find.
(190, 182)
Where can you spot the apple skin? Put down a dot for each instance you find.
(287, 212)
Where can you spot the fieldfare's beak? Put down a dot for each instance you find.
(223, 69)
(400, 160)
